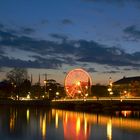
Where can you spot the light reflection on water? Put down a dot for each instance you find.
(18, 123)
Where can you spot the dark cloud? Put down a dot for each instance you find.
(132, 33)
(6, 37)
(97, 53)
(53, 54)
(52, 63)
(25, 30)
(91, 69)
(38, 63)
(1, 26)
(59, 36)
(67, 22)
(16, 31)
(132, 68)
(111, 72)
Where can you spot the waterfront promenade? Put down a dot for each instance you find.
(102, 103)
(86, 104)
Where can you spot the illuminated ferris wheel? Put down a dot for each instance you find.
(78, 83)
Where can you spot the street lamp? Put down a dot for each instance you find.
(57, 93)
(110, 86)
(45, 82)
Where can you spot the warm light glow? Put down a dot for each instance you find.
(126, 113)
(109, 129)
(57, 93)
(17, 96)
(28, 96)
(12, 121)
(86, 95)
(28, 115)
(78, 83)
(44, 127)
(76, 121)
(66, 118)
(111, 93)
(56, 120)
(125, 91)
(109, 89)
(110, 84)
(78, 126)
(85, 126)
(79, 91)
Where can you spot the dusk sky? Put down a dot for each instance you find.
(56, 36)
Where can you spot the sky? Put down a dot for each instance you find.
(56, 36)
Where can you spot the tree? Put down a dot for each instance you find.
(16, 77)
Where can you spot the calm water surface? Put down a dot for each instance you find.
(23, 123)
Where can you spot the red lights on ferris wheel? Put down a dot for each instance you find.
(77, 83)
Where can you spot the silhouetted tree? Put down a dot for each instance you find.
(16, 77)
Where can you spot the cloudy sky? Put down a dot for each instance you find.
(56, 36)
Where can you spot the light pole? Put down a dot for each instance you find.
(57, 94)
(110, 86)
(45, 82)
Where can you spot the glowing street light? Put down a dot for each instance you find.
(45, 82)
(110, 87)
(57, 93)
(28, 96)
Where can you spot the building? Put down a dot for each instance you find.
(127, 86)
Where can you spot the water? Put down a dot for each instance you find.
(37, 123)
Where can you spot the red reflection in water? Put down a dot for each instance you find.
(75, 128)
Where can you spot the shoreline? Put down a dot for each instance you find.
(82, 106)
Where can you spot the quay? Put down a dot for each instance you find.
(98, 104)
(86, 104)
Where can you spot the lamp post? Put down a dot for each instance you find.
(45, 82)
(110, 87)
(57, 94)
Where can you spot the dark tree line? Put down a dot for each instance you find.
(17, 83)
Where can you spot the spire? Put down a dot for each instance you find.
(39, 79)
(31, 80)
(45, 77)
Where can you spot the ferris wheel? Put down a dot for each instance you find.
(77, 83)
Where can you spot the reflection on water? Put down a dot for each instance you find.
(75, 126)
(109, 129)
(18, 123)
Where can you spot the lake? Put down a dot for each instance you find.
(40, 123)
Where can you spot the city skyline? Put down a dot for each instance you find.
(54, 37)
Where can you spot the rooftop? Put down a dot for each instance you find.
(127, 80)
